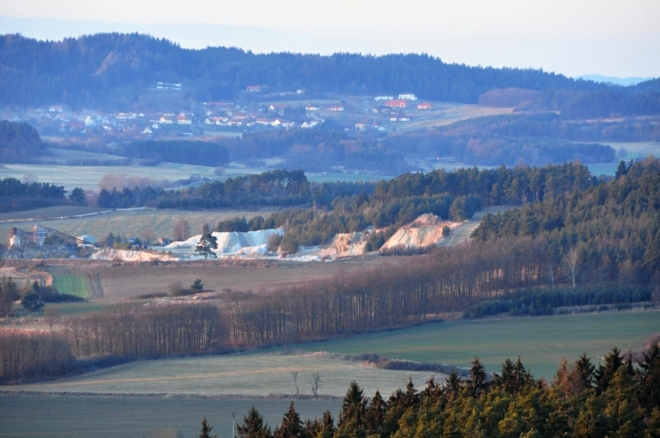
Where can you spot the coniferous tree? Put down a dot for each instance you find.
(206, 430)
(253, 426)
(291, 426)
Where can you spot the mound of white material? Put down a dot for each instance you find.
(128, 255)
(424, 231)
(252, 242)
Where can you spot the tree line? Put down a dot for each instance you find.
(16, 195)
(85, 71)
(616, 398)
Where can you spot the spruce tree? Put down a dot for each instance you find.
(253, 426)
(206, 430)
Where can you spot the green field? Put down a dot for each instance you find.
(72, 285)
(541, 342)
(77, 309)
(253, 374)
(51, 416)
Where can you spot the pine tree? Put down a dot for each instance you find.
(292, 426)
(206, 430)
(253, 426)
(605, 373)
(477, 383)
(207, 243)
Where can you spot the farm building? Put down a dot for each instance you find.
(407, 96)
(396, 103)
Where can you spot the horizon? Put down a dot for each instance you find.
(594, 77)
(618, 39)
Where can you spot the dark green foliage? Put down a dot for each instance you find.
(32, 302)
(197, 286)
(512, 405)
(291, 426)
(464, 207)
(207, 243)
(178, 151)
(206, 430)
(542, 301)
(253, 426)
(16, 196)
(78, 196)
(605, 373)
(19, 142)
(37, 72)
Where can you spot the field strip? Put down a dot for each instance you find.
(249, 375)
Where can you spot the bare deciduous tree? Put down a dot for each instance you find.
(316, 383)
(295, 380)
(149, 236)
(181, 230)
(571, 259)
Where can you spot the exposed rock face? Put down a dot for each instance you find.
(346, 245)
(424, 231)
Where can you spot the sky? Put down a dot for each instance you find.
(618, 38)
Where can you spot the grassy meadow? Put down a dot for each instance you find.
(253, 374)
(136, 417)
(541, 342)
(72, 285)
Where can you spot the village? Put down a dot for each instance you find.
(255, 109)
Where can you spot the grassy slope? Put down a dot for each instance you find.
(541, 342)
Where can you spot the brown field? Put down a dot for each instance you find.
(126, 281)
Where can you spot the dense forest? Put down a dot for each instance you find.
(16, 195)
(20, 143)
(85, 71)
(614, 399)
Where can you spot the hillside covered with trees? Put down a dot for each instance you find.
(20, 143)
(107, 69)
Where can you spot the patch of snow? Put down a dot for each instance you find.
(125, 255)
(231, 243)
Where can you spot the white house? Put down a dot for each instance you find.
(407, 96)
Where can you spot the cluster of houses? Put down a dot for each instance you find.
(58, 120)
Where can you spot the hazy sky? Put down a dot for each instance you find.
(573, 37)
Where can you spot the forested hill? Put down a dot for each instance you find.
(86, 70)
